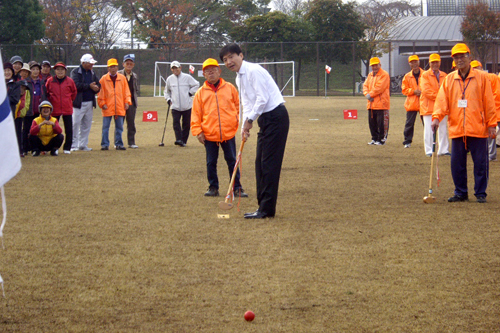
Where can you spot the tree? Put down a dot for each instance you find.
(379, 17)
(480, 28)
(288, 6)
(21, 21)
(335, 21)
(274, 28)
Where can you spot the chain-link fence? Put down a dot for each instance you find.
(348, 60)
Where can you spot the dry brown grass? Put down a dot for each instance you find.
(125, 241)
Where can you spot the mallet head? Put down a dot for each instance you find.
(429, 199)
(225, 205)
(161, 144)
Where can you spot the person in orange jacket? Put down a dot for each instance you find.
(430, 82)
(466, 98)
(114, 99)
(495, 89)
(377, 90)
(214, 121)
(411, 88)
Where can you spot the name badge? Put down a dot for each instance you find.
(462, 103)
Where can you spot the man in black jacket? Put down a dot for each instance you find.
(87, 85)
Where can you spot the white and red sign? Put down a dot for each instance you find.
(149, 116)
(350, 114)
(328, 69)
(191, 69)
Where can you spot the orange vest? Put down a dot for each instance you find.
(479, 114)
(378, 87)
(216, 113)
(408, 87)
(430, 87)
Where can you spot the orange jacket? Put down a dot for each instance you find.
(479, 114)
(430, 87)
(114, 96)
(216, 113)
(408, 87)
(378, 87)
(495, 88)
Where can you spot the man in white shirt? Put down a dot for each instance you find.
(261, 99)
(178, 91)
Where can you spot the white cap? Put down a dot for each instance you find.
(88, 58)
(175, 64)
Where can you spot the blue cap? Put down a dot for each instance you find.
(129, 57)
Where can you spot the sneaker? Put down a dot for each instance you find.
(21, 154)
(85, 149)
(67, 151)
(212, 192)
(120, 148)
(178, 142)
(54, 152)
(74, 149)
(481, 199)
(408, 145)
(459, 198)
(104, 148)
(371, 142)
(133, 146)
(378, 143)
(240, 193)
(35, 153)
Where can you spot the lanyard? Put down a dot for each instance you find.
(465, 88)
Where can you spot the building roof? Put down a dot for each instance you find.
(422, 28)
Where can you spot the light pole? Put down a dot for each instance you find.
(131, 34)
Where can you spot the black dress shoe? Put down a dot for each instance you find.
(178, 143)
(258, 215)
(458, 198)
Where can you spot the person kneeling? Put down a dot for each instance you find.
(45, 132)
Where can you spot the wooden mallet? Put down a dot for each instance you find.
(430, 198)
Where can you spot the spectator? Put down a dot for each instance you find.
(376, 90)
(25, 72)
(133, 84)
(17, 63)
(214, 122)
(114, 100)
(87, 86)
(178, 91)
(45, 132)
(23, 108)
(61, 92)
(13, 90)
(46, 67)
(430, 82)
(411, 88)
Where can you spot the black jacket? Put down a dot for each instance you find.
(14, 94)
(81, 86)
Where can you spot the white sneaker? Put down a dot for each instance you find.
(133, 146)
(67, 151)
(371, 142)
(74, 148)
(378, 143)
(85, 149)
(408, 145)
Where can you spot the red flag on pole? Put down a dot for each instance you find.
(328, 69)
(191, 69)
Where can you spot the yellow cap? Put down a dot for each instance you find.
(112, 62)
(475, 63)
(459, 48)
(434, 57)
(210, 62)
(413, 57)
(374, 61)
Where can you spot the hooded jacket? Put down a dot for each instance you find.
(77, 76)
(430, 87)
(61, 95)
(378, 87)
(408, 87)
(114, 96)
(479, 114)
(216, 112)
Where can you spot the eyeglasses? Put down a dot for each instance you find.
(460, 56)
(211, 70)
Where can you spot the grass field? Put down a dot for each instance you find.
(125, 241)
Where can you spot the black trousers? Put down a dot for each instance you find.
(130, 118)
(212, 150)
(68, 130)
(27, 121)
(271, 142)
(409, 126)
(376, 123)
(181, 132)
(18, 123)
(54, 143)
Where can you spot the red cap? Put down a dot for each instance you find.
(60, 64)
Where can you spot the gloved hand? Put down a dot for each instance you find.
(368, 97)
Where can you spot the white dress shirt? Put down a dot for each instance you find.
(259, 92)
